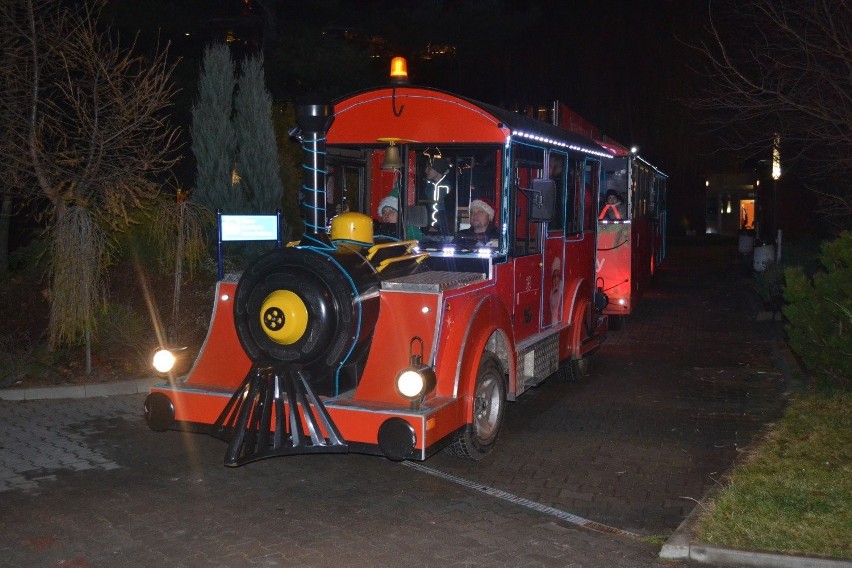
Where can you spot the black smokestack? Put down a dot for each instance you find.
(314, 120)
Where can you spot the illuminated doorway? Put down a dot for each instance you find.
(747, 214)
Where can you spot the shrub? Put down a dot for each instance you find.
(769, 285)
(819, 312)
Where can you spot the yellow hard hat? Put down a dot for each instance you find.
(352, 227)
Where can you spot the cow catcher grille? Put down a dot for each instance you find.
(301, 426)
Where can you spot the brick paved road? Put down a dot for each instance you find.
(672, 399)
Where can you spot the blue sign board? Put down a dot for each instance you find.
(246, 228)
(249, 228)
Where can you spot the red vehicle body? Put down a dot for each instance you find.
(630, 248)
(307, 349)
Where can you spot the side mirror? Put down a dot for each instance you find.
(541, 199)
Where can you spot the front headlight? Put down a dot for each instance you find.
(165, 359)
(410, 384)
(415, 382)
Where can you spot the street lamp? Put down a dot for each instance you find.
(776, 157)
(776, 174)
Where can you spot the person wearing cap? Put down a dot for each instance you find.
(437, 190)
(436, 171)
(482, 230)
(614, 207)
(388, 211)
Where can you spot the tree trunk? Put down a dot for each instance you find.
(178, 271)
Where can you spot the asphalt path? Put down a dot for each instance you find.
(591, 474)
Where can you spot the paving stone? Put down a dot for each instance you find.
(672, 399)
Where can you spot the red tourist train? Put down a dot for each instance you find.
(460, 273)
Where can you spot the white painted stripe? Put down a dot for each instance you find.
(500, 494)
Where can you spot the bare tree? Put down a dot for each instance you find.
(785, 66)
(89, 127)
(179, 229)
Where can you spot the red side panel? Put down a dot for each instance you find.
(614, 266)
(424, 116)
(221, 361)
(402, 316)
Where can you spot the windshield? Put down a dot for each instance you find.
(458, 189)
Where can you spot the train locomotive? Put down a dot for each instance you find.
(358, 338)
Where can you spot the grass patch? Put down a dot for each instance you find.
(794, 492)
(655, 539)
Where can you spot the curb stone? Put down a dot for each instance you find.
(138, 386)
(679, 547)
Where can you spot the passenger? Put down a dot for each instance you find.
(614, 208)
(436, 170)
(389, 213)
(440, 193)
(332, 201)
(482, 230)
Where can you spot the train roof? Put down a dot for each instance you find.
(426, 115)
(620, 151)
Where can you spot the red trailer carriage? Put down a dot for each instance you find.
(631, 237)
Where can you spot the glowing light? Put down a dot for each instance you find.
(399, 70)
(545, 139)
(776, 157)
(410, 384)
(225, 297)
(425, 309)
(164, 361)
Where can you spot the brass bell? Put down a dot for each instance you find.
(393, 160)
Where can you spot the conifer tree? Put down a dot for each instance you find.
(213, 139)
(258, 169)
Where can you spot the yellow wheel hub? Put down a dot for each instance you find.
(284, 317)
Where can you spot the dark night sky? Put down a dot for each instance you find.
(623, 65)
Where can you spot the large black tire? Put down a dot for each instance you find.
(479, 437)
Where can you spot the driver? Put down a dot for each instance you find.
(482, 230)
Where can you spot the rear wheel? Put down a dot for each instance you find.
(616, 323)
(479, 437)
(574, 370)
